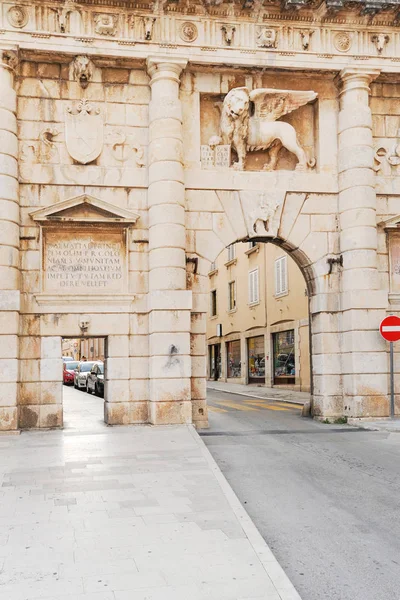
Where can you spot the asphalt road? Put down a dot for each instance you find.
(326, 498)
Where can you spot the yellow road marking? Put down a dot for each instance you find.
(256, 401)
(233, 405)
(269, 406)
(216, 409)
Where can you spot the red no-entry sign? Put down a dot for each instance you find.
(390, 328)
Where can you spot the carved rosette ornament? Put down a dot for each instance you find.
(84, 132)
(342, 41)
(188, 32)
(18, 16)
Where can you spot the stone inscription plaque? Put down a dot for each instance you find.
(84, 262)
(394, 263)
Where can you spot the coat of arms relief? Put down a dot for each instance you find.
(249, 123)
(84, 131)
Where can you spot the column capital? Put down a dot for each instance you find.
(9, 57)
(351, 78)
(165, 67)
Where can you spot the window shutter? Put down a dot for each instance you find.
(284, 275)
(277, 277)
(253, 287)
(256, 298)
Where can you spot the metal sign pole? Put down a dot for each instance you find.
(391, 381)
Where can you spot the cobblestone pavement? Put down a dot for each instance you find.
(125, 513)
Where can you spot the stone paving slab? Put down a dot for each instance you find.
(262, 392)
(132, 513)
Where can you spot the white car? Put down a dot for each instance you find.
(81, 373)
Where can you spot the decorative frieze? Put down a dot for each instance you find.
(168, 26)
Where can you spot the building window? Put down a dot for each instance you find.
(281, 278)
(233, 357)
(231, 252)
(254, 296)
(213, 304)
(252, 245)
(213, 267)
(232, 295)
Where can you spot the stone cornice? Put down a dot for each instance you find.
(119, 29)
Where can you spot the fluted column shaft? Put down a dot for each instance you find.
(9, 242)
(169, 301)
(362, 302)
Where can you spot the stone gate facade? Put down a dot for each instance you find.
(138, 140)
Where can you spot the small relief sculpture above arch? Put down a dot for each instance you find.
(249, 123)
(18, 16)
(380, 40)
(228, 32)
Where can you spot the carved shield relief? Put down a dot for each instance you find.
(84, 135)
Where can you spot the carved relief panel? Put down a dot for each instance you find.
(261, 129)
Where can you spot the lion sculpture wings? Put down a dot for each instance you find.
(249, 122)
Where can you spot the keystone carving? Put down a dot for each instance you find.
(249, 123)
(228, 32)
(82, 70)
(380, 40)
(267, 38)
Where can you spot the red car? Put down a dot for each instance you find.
(68, 371)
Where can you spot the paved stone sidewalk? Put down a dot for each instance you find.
(254, 391)
(383, 424)
(132, 513)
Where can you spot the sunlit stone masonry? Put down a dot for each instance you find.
(138, 140)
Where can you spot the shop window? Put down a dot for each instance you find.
(232, 295)
(231, 252)
(233, 357)
(284, 358)
(256, 354)
(213, 303)
(254, 296)
(281, 279)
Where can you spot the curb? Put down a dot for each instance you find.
(277, 575)
(209, 387)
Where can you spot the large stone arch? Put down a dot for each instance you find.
(304, 224)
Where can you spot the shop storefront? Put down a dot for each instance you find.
(215, 361)
(256, 359)
(234, 365)
(284, 358)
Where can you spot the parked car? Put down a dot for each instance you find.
(69, 367)
(67, 358)
(95, 380)
(82, 371)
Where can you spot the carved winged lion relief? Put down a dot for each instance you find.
(249, 123)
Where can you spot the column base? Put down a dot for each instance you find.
(170, 413)
(126, 413)
(8, 418)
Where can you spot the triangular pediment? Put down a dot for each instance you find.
(392, 223)
(84, 209)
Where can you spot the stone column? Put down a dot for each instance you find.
(170, 302)
(9, 243)
(363, 303)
